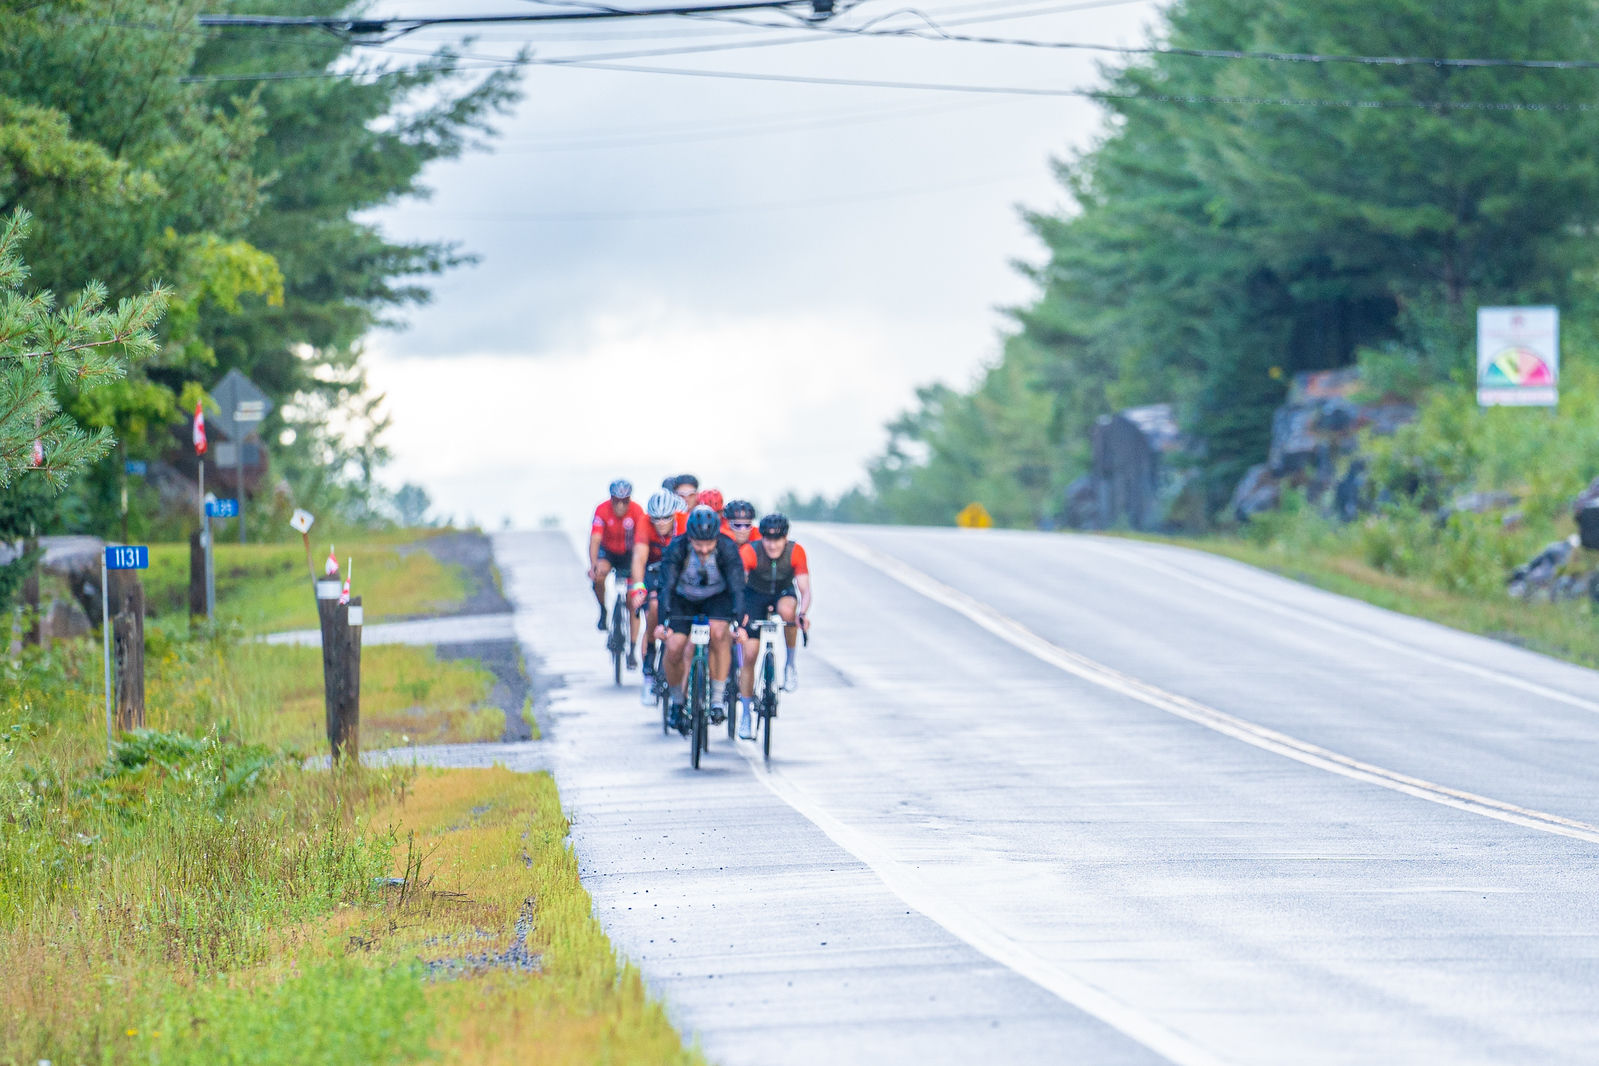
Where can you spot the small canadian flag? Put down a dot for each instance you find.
(38, 452)
(349, 571)
(199, 429)
(331, 567)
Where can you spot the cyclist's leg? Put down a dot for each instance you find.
(601, 569)
(721, 658)
(786, 608)
(746, 676)
(651, 620)
(677, 653)
(632, 623)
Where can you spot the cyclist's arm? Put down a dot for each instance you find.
(802, 580)
(671, 563)
(732, 564)
(594, 545)
(641, 559)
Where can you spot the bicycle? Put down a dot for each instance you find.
(730, 692)
(699, 689)
(661, 691)
(619, 638)
(766, 687)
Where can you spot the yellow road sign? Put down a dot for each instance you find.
(974, 516)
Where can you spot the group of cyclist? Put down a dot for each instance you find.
(687, 554)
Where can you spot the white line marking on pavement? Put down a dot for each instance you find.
(1343, 628)
(976, 931)
(1181, 706)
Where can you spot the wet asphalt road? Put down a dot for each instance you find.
(1070, 799)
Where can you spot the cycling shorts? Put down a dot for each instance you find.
(621, 562)
(719, 606)
(758, 605)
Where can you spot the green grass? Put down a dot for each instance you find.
(267, 588)
(206, 897)
(1566, 630)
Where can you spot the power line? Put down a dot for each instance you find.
(389, 27)
(938, 33)
(1090, 94)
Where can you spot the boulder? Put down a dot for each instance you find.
(1544, 572)
(1259, 490)
(1134, 481)
(1312, 435)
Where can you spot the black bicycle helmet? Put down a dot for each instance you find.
(703, 524)
(689, 480)
(669, 483)
(739, 509)
(621, 489)
(775, 525)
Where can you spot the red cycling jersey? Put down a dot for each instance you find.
(617, 531)
(657, 541)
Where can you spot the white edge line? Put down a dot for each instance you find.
(1343, 628)
(971, 928)
(1257, 736)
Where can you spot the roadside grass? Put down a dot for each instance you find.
(265, 587)
(273, 693)
(204, 897)
(1565, 630)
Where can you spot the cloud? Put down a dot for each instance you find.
(744, 279)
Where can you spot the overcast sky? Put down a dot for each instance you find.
(744, 279)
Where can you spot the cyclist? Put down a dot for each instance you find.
(687, 487)
(662, 510)
(778, 576)
(611, 535)
(701, 574)
(738, 521)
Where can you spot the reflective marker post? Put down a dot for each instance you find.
(105, 629)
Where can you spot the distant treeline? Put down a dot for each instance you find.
(232, 166)
(1244, 218)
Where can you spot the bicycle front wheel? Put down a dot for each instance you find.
(699, 695)
(618, 640)
(768, 708)
(766, 737)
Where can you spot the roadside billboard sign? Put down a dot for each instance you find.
(1518, 356)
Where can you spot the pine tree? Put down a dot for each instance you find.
(47, 352)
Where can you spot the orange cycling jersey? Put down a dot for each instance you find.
(755, 556)
(617, 532)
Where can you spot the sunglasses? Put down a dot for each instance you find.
(739, 525)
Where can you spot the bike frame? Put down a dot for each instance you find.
(699, 688)
(763, 688)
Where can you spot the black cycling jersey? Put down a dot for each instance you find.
(729, 573)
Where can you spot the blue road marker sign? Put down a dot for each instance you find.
(127, 557)
(228, 508)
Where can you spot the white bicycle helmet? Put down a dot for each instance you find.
(663, 504)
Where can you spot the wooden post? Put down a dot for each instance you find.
(348, 716)
(196, 578)
(126, 594)
(341, 669)
(327, 615)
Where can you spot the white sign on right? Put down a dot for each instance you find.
(1518, 356)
